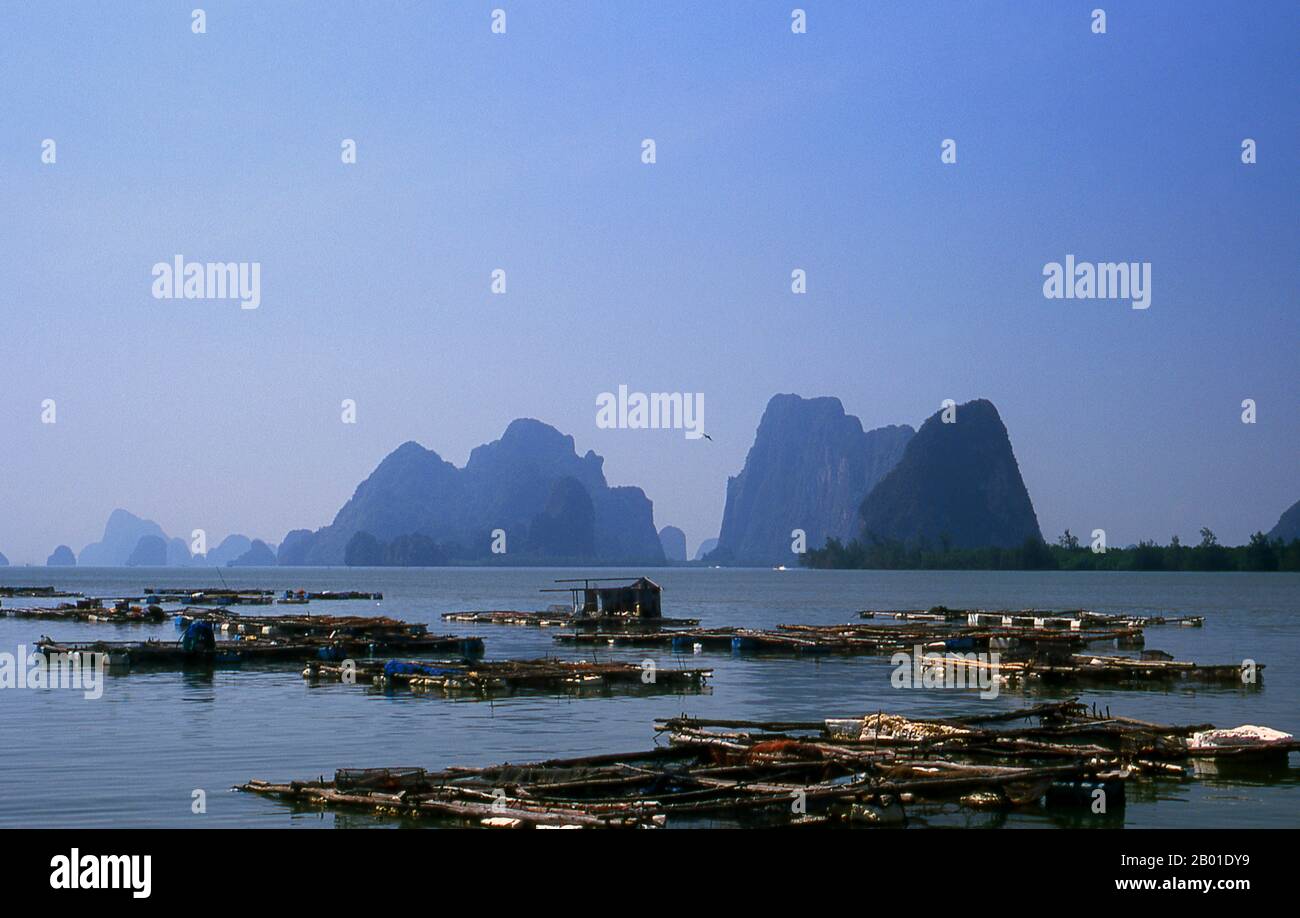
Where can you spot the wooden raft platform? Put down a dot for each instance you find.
(228, 622)
(35, 592)
(129, 655)
(206, 596)
(877, 770)
(855, 639)
(1088, 668)
(1032, 618)
(92, 610)
(567, 620)
(508, 676)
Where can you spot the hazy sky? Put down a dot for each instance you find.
(523, 151)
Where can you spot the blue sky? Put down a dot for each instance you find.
(522, 151)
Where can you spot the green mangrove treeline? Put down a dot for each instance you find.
(1259, 554)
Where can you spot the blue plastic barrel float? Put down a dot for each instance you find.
(198, 638)
(414, 668)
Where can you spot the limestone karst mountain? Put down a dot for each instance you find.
(957, 485)
(122, 533)
(809, 469)
(61, 557)
(673, 541)
(1288, 525)
(529, 493)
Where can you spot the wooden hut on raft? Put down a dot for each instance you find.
(638, 599)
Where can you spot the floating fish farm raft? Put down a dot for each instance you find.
(860, 639)
(271, 639)
(1074, 619)
(35, 592)
(506, 677)
(630, 606)
(121, 612)
(566, 619)
(338, 595)
(213, 597)
(1033, 646)
(877, 770)
(1031, 649)
(1119, 671)
(227, 622)
(127, 655)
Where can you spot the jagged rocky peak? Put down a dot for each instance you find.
(531, 447)
(809, 469)
(531, 484)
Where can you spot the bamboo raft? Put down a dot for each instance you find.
(949, 637)
(329, 595)
(93, 610)
(211, 597)
(225, 597)
(1063, 730)
(127, 655)
(508, 676)
(228, 622)
(35, 592)
(738, 640)
(1070, 619)
(1087, 668)
(567, 619)
(1025, 656)
(877, 770)
(856, 639)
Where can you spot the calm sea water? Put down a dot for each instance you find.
(135, 756)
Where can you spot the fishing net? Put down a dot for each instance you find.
(897, 727)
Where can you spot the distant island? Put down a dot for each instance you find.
(525, 498)
(130, 541)
(814, 471)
